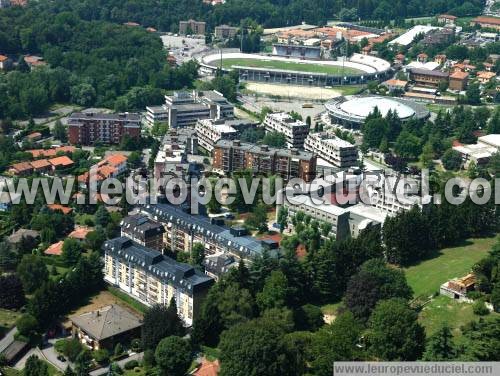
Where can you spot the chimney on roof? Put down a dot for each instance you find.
(236, 142)
(264, 148)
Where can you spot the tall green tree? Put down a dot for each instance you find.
(440, 346)
(394, 332)
(173, 356)
(33, 272)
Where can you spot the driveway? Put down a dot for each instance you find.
(50, 353)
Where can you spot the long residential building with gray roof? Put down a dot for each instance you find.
(153, 278)
(183, 230)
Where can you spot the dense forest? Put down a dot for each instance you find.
(90, 63)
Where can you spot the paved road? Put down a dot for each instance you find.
(121, 363)
(8, 339)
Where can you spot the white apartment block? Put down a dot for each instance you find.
(295, 131)
(185, 108)
(210, 131)
(332, 149)
(152, 278)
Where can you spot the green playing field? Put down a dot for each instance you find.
(289, 65)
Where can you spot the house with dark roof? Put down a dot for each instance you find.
(105, 327)
(153, 278)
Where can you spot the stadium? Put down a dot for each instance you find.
(352, 111)
(358, 69)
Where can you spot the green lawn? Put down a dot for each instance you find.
(443, 310)
(7, 371)
(7, 319)
(288, 65)
(426, 277)
(138, 306)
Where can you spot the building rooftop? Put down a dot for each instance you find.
(141, 225)
(487, 20)
(459, 75)
(55, 249)
(246, 246)
(21, 233)
(106, 322)
(435, 73)
(408, 37)
(61, 161)
(491, 139)
(183, 276)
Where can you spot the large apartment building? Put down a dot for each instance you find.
(88, 128)
(176, 145)
(225, 31)
(192, 27)
(144, 231)
(210, 131)
(185, 108)
(183, 230)
(153, 278)
(230, 156)
(295, 131)
(332, 149)
(428, 78)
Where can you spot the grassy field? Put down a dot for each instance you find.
(7, 320)
(289, 65)
(443, 310)
(426, 277)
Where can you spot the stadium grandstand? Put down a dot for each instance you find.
(358, 69)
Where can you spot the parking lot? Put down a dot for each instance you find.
(183, 47)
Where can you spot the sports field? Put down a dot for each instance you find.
(289, 65)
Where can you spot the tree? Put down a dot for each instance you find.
(59, 131)
(495, 297)
(197, 254)
(275, 292)
(159, 322)
(71, 251)
(27, 325)
(308, 317)
(274, 139)
(282, 218)
(8, 258)
(394, 332)
(102, 216)
(374, 129)
(94, 239)
(452, 160)
(11, 292)
(258, 218)
(440, 346)
(408, 145)
(335, 342)
(83, 94)
(69, 372)
(374, 282)
(35, 367)
(258, 348)
(473, 94)
(173, 356)
(32, 272)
